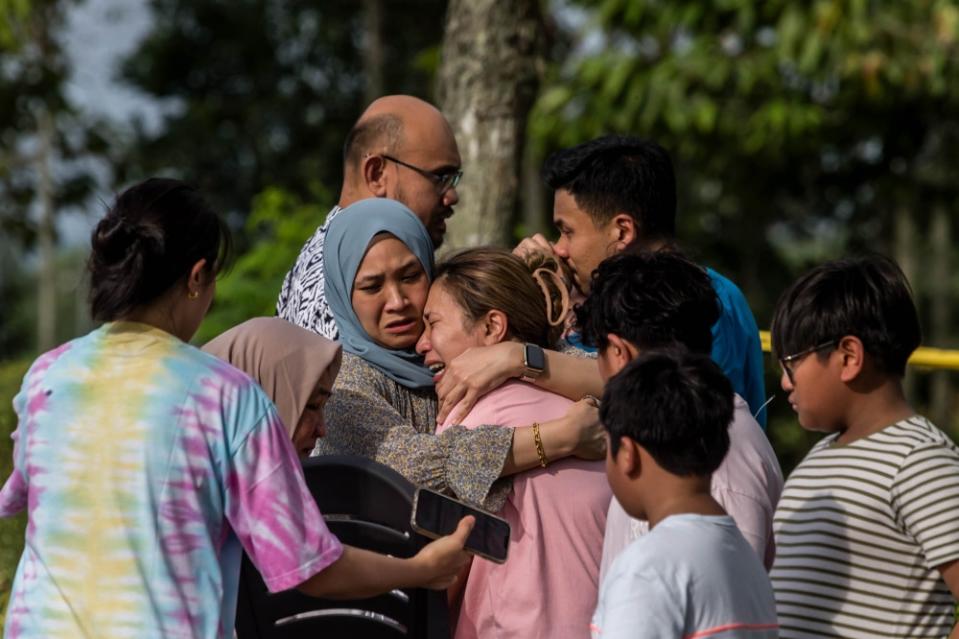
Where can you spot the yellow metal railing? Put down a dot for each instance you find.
(924, 357)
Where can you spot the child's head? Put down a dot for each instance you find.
(670, 408)
(644, 301)
(849, 324)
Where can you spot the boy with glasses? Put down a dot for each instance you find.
(866, 529)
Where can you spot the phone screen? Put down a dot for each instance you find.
(436, 515)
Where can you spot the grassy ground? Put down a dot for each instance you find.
(11, 530)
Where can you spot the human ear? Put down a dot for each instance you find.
(624, 229)
(495, 327)
(374, 174)
(619, 352)
(627, 458)
(852, 354)
(198, 277)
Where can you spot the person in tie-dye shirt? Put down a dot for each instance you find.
(146, 465)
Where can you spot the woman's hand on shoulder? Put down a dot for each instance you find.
(474, 373)
(585, 429)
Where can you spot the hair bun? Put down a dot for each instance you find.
(149, 239)
(115, 240)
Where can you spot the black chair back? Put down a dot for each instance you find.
(367, 505)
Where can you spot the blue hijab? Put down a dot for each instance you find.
(346, 243)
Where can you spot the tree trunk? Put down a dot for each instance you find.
(373, 48)
(537, 213)
(488, 78)
(46, 243)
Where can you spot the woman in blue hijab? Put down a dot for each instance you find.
(378, 260)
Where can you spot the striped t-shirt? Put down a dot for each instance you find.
(860, 531)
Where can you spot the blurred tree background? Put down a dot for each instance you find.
(800, 132)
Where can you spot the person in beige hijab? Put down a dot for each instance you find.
(295, 367)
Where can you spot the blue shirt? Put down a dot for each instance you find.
(736, 346)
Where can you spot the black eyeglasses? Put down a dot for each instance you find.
(444, 181)
(788, 361)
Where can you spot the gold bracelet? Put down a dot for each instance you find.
(539, 445)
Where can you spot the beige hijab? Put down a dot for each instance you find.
(289, 362)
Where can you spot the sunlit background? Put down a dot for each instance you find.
(800, 131)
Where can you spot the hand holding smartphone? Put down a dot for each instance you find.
(436, 515)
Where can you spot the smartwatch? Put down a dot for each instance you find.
(534, 362)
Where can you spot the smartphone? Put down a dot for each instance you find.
(436, 515)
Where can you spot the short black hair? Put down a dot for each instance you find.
(619, 174)
(866, 296)
(150, 239)
(385, 130)
(675, 404)
(651, 299)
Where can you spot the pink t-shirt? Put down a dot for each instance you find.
(547, 588)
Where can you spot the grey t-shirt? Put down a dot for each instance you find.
(692, 575)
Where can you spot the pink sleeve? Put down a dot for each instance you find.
(753, 517)
(273, 513)
(13, 495)
(616, 537)
(748, 483)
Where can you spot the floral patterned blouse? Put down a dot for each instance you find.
(373, 416)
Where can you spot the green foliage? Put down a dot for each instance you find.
(784, 102)
(33, 84)
(800, 130)
(12, 529)
(265, 90)
(35, 106)
(18, 316)
(279, 225)
(12, 12)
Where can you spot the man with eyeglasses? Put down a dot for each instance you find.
(401, 148)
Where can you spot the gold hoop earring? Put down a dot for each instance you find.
(192, 295)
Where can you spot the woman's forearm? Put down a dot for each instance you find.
(571, 376)
(578, 432)
(479, 370)
(359, 573)
(565, 374)
(523, 454)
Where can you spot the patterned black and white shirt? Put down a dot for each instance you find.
(303, 296)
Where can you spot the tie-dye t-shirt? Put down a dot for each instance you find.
(144, 465)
